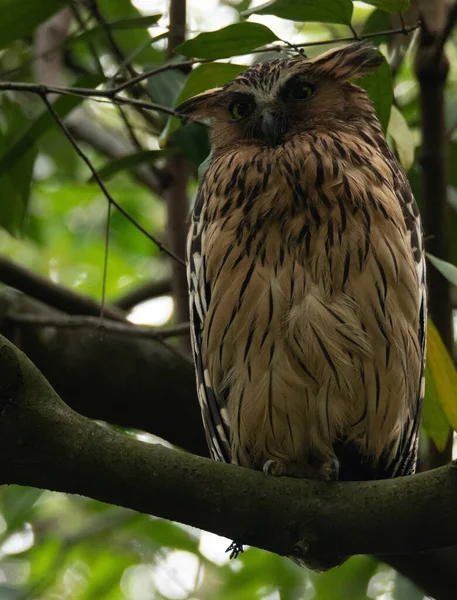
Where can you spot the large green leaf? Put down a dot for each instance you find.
(379, 86)
(208, 76)
(322, 11)
(392, 6)
(377, 21)
(448, 270)
(21, 17)
(38, 126)
(238, 38)
(442, 376)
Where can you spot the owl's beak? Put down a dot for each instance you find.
(271, 128)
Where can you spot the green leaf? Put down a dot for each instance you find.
(165, 87)
(446, 269)
(37, 127)
(208, 76)
(14, 184)
(21, 17)
(443, 375)
(392, 6)
(328, 11)
(379, 86)
(200, 79)
(351, 579)
(238, 38)
(131, 40)
(403, 138)
(434, 419)
(377, 21)
(131, 161)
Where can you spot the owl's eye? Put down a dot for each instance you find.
(301, 91)
(240, 109)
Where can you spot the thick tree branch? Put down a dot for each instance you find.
(45, 444)
(51, 293)
(104, 375)
(162, 287)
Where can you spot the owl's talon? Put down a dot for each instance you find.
(273, 467)
(330, 470)
(235, 550)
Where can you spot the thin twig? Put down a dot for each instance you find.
(112, 94)
(63, 127)
(268, 48)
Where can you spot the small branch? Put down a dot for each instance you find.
(146, 292)
(93, 323)
(43, 443)
(51, 293)
(112, 94)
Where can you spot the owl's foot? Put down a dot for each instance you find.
(235, 550)
(275, 468)
(328, 471)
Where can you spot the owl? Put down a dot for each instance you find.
(306, 276)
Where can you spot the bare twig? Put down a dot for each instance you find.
(100, 183)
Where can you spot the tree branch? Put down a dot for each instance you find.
(51, 293)
(162, 287)
(132, 382)
(432, 74)
(45, 444)
(94, 324)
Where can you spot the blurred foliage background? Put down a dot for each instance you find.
(53, 218)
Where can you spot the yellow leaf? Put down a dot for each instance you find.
(441, 368)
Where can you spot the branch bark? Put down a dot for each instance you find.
(43, 443)
(105, 375)
(432, 68)
(53, 294)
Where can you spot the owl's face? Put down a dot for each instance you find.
(273, 101)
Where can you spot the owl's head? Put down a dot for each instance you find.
(272, 101)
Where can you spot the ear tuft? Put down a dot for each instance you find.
(347, 62)
(199, 106)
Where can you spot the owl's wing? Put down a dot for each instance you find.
(354, 465)
(405, 461)
(213, 411)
